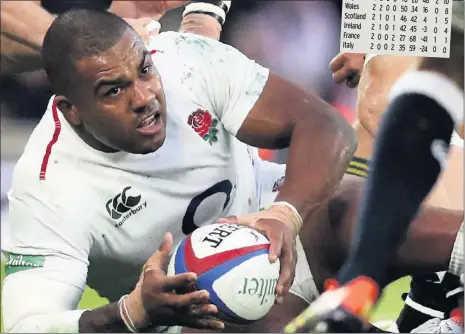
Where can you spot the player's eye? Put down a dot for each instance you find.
(145, 69)
(113, 91)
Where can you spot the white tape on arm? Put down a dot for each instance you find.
(434, 85)
(203, 7)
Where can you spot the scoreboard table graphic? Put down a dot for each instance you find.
(397, 27)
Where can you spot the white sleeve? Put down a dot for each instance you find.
(46, 253)
(34, 303)
(225, 79)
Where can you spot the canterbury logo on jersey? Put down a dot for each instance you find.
(124, 205)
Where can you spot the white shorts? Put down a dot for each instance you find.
(269, 177)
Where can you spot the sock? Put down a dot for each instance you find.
(430, 296)
(411, 147)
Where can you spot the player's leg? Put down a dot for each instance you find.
(431, 296)
(435, 295)
(427, 246)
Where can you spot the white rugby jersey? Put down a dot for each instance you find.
(86, 216)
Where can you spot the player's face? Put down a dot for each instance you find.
(121, 101)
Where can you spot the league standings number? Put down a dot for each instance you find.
(397, 27)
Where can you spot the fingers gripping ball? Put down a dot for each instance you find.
(232, 263)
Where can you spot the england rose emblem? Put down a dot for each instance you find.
(203, 123)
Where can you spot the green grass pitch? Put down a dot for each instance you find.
(388, 308)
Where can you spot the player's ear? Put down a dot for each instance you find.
(68, 109)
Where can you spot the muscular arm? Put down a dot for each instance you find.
(201, 24)
(25, 23)
(321, 142)
(23, 27)
(377, 78)
(427, 245)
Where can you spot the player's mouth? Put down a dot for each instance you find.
(150, 125)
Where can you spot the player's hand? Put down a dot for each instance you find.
(155, 302)
(347, 67)
(282, 244)
(154, 8)
(145, 27)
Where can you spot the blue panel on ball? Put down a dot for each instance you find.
(179, 260)
(206, 280)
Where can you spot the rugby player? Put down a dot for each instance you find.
(425, 106)
(128, 157)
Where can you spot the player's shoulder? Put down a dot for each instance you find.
(49, 131)
(45, 124)
(56, 187)
(191, 46)
(188, 41)
(64, 189)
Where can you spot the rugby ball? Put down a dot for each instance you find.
(231, 262)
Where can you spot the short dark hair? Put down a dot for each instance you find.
(76, 34)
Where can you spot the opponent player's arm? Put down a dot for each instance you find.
(430, 241)
(379, 74)
(205, 18)
(23, 27)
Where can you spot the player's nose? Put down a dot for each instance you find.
(143, 94)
